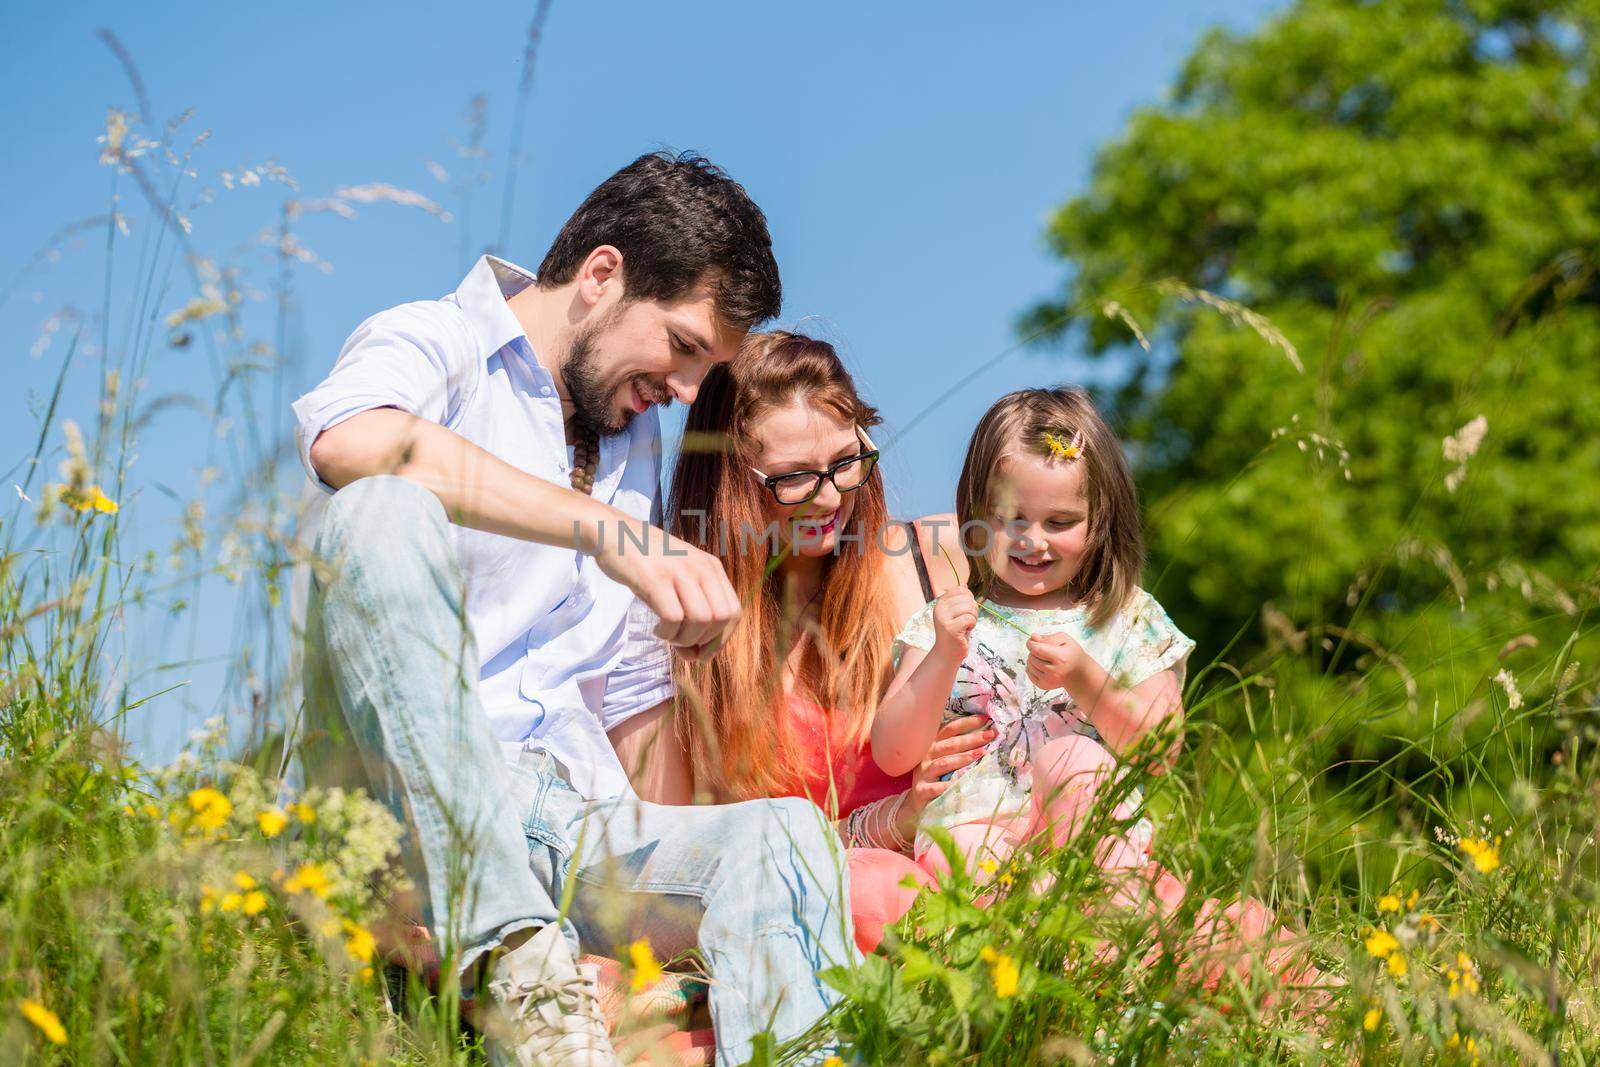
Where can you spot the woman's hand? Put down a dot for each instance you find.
(958, 744)
(1053, 659)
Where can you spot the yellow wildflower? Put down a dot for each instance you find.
(152, 811)
(988, 866)
(1380, 943)
(1454, 1042)
(1463, 977)
(1426, 921)
(1397, 964)
(48, 1022)
(833, 1061)
(1485, 854)
(1369, 1021)
(360, 944)
(1003, 969)
(646, 969)
(271, 821)
(230, 901)
(1005, 879)
(366, 974)
(1061, 448)
(255, 902)
(86, 498)
(208, 899)
(1388, 902)
(127, 809)
(243, 880)
(211, 808)
(309, 878)
(303, 811)
(1411, 901)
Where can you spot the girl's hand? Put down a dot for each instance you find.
(958, 744)
(1053, 659)
(954, 615)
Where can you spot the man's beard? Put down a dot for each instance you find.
(593, 401)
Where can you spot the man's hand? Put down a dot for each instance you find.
(686, 588)
(1053, 659)
(954, 615)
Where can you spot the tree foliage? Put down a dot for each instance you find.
(1410, 191)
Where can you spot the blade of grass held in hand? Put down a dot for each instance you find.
(983, 605)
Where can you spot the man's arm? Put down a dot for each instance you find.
(685, 587)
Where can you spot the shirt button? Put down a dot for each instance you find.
(544, 390)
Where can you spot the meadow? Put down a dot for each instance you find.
(1411, 791)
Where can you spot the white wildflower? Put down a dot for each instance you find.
(1462, 446)
(1508, 682)
(116, 133)
(376, 192)
(1113, 309)
(75, 468)
(208, 303)
(1237, 314)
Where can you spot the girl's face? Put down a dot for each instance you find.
(799, 437)
(1041, 523)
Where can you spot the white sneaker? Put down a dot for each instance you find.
(545, 1009)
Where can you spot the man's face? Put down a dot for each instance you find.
(643, 352)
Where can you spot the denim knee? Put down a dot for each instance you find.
(380, 515)
(793, 841)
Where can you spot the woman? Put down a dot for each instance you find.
(777, 478)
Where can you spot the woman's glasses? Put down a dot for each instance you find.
(801, 487)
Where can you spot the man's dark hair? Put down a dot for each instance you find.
(676, 218)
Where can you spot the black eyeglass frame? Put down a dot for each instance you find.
(870, 457)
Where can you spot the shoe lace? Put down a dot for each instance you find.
(574, 994)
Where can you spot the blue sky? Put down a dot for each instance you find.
(907, 157)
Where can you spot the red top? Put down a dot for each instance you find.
(830, 763)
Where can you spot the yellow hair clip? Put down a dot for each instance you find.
(1061, 448)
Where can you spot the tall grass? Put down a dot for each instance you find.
(204, 912)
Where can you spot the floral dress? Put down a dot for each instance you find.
(1137, 643)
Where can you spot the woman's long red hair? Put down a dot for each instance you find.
(731, 708)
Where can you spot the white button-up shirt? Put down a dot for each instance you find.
(565, 652)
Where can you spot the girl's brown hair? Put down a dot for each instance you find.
(1045, 422)
(731, 707)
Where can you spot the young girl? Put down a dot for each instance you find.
(1053, 639)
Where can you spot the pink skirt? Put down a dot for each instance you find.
(877, 896)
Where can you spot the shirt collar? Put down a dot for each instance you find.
(482, 295)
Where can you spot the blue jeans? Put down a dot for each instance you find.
(391, 702)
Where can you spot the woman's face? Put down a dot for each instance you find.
(1041, 523)
(799, 437)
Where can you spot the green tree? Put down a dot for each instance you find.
(1409, 190)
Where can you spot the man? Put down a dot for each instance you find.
(477, 623)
